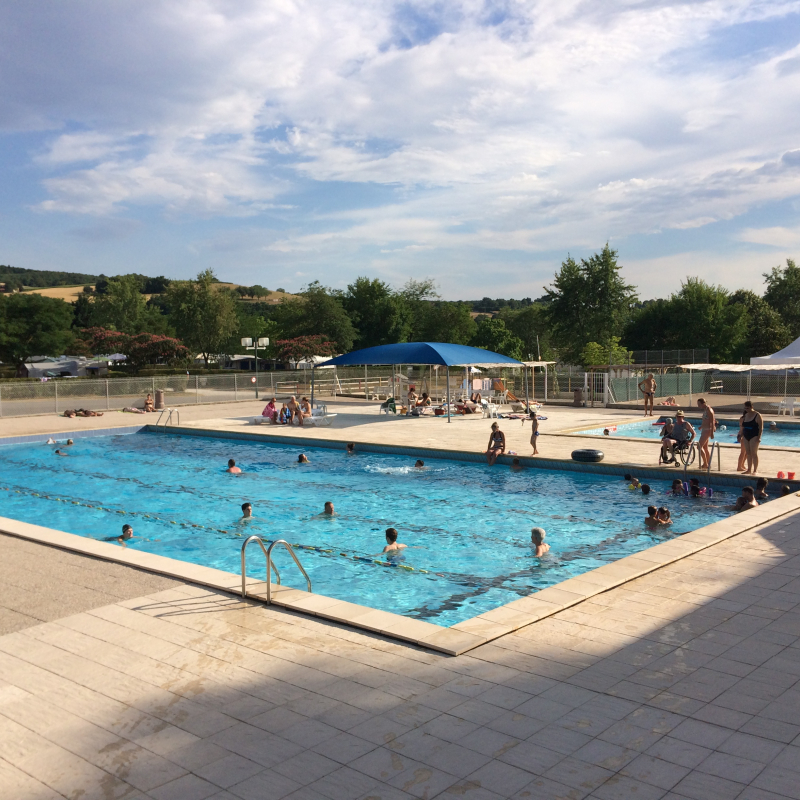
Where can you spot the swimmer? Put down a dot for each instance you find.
(634, 484)
(60, 453)
(303, 459)
(664, 516)
(247, 512)
(773, 426)
(694, 487)
(516, 466)
(69, 443)
(51, 440)
(677, 487)
(328, 511)
(645, 488)
(127, 533)
(351, 449)
(785, 489)
(606, 432)
(761, 489)
(537, 541)
(746, 500)
(392, 545)
(419, 464)
(232, 468)
(652, 520)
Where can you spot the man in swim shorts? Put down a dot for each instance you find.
(708, 425)
(247, 512)
(537, 541)
(232, 468)
(648, 388)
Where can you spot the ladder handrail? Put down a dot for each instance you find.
(169, 412)
(714, 446)
(270, 565)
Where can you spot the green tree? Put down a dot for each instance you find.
(83, 308)
(381, 316)
(765, 330)
(204, 314)
(32, 325)
(316, 311)
(493, 335)
(123, 307)
(588, 302)
(532, 325)
(443, 321)
(654, 326)
(595, 355)
(783, 294)
(252, 326)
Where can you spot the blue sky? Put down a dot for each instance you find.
(474, 142)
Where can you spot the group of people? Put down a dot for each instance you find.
(288, 412)
(416, 404)
(680, 433)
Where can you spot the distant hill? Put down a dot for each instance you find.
(16, 277)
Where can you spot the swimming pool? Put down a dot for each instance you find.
(467, 525)
(784, 436)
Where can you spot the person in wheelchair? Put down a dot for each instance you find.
(679, 438)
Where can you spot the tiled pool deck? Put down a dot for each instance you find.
(678, 683)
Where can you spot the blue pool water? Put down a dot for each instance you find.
(467, 525)
(784, 436)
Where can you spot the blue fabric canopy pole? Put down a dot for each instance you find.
(441, 353)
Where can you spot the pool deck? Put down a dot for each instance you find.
(679, 683)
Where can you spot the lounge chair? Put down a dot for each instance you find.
(388, 406)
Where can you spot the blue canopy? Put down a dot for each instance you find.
(449, 355)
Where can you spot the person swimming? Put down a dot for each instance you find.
(419, 463)
(303, 459)
(652, 520)
(761, 489)
(127, 534)
(392, 545)
(677, 487)
(328, 510)
(537, 541)
(664, 516)
(516, 466)
(351, 449)
(247, 512)
(232, 468)
(645, 488)
(58, 452)
(785, 489)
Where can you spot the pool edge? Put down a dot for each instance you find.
(455, 640)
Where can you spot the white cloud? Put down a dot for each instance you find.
(510, 127)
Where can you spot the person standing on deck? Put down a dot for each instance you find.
(648, 389)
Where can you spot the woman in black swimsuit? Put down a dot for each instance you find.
(752, 425)
(497, 444)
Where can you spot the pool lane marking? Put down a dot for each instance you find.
(325, 552)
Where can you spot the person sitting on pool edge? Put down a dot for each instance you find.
(392, 545)
(232, 468)
(303, 459)
(270, 410)
(247, 512)
(537, 541)
(497, 444)
(746, 500)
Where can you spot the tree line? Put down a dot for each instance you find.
(588, 315)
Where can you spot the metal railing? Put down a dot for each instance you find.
(270, 565)
(169, 412)
(714, 446)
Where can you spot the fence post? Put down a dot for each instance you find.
(196, 389)
(235, 387)
(108, 406)
(1, 402)
(55, 386)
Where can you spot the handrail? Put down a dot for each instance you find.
(163, 411)
(270, 565)
(169, 412)
(714, 446)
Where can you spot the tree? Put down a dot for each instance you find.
(380, 315)
(654, 326)
(258, 291)
(783, 294)
(204, 314)
(493, 335)
(243, 291)
(532, 325)
(765, 330)
(157, 285)
(317, 311)
(305, 347)
(33, 325)
(122, 306)
(588, 302)
(82, 311)
(252, 325)
(595, 354)
(443, 321)
(141, 348)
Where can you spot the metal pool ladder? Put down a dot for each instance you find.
(270, 565)
(169, 412)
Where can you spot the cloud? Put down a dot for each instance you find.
(501, 128)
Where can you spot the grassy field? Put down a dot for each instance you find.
(70, 294)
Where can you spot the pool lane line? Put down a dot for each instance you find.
(327, 552)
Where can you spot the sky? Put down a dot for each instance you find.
(473, 142)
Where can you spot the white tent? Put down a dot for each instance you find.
(789, 355)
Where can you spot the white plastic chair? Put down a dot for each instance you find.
(489, 409)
